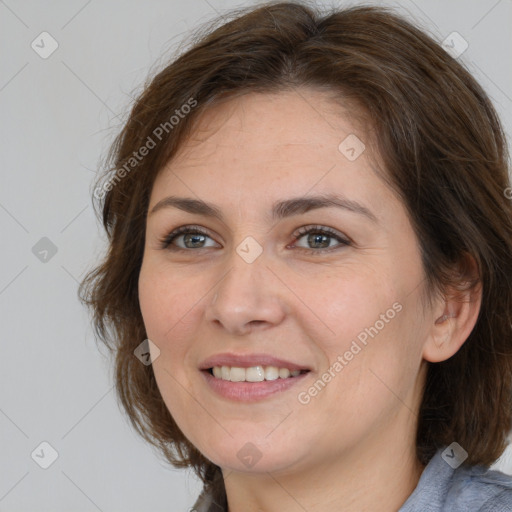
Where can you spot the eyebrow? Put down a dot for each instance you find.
(280, 209)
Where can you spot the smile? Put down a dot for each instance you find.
(253, 373)
(251, 391)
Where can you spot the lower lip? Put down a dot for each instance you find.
(250, 391)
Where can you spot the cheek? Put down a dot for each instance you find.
(167, 307)
(346, 302)
(166, 301)
(364, 322)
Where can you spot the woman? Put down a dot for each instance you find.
(308, 287)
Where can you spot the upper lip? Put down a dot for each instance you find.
(248, 360)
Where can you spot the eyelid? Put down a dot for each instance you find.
(313, 228)
(343, 240)
(167, 240)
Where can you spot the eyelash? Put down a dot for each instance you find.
(165, 243)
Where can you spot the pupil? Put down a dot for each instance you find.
(313, 239)
(194, 238)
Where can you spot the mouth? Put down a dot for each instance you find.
(251, 377)
(250, 384)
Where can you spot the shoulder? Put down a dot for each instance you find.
(481, 489)
(502, 502)
(445, 486)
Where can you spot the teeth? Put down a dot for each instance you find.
(284, 373)
(252, 374)
(271, 373)
(237, 374)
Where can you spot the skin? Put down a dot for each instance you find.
(352, 447)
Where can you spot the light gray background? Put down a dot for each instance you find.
(58, 116)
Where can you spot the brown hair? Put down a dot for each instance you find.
(444, 152)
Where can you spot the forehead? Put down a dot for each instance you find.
(273, 136)
(261, 148)
(263, 121)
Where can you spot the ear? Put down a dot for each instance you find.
(454, 316)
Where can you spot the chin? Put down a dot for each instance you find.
(250, 457)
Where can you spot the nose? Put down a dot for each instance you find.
(248, 297)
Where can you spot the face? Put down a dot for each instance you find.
(333, 289)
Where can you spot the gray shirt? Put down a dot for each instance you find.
(441, 488)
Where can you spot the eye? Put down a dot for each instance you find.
(320, 238)
(191, 237)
